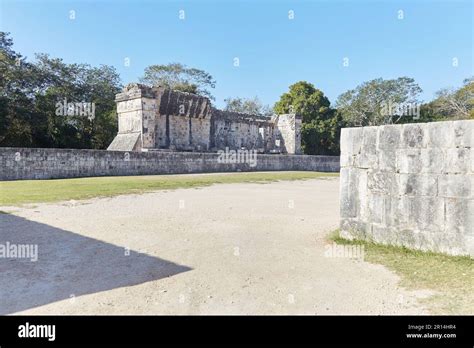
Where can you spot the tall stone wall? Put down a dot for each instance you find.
(34, 163)
(410, 185)
(235, 130)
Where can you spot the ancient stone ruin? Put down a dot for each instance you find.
(161, 118)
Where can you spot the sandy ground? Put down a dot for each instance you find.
(224, 249)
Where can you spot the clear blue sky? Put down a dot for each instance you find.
(274, 51)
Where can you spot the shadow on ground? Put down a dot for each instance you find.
(68, 265)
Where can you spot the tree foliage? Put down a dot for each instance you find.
(251, 106)
(321, 124)
(179, 77)
(30, 91)
(304, 99)
(455, 104)
(365, 105)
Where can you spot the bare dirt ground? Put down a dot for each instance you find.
(224, 249)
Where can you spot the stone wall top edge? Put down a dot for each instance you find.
(176, 153)
(52, 149)
(447, 122)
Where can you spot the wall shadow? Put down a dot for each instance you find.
(67, 264)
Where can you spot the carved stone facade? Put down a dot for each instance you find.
(161, 118)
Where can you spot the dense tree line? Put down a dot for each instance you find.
(372, 103)
(43, 103)
(30, 115)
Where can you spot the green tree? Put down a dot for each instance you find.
(79, 83)
(455, 103)
(18, 82)
(321, 124)
(251, 106)
(304, 99)
(29, 93)
(179, 77)
(370, 103)
(321, 137)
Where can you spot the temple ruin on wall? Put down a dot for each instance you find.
(160, 118)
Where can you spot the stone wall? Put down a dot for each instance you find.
(160, 118)
(410, 185)
(235, 130)
(34, 163)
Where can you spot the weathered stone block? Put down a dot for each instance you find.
(408, 161)
(457, 160)
(388, 141)
(455, 186)
(459, 216)
(440, 134)
(396, 212)
(463, 133)
(433, 160)
(368, 157)
(449, 243)
(382, 182)
(349, 192)
(387, 160)
(407, 238)
(351, 141)
(347, 160)
(362, 204)
(413, 136)
(353, 229)
(389, 137)
(381, 234)
(426, 213)
(418, 184)
(376, 205)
